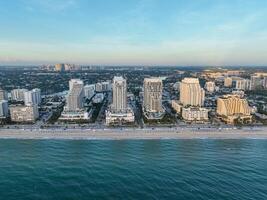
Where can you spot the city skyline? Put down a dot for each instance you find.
(132, 32)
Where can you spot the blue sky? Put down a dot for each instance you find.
(134, 32)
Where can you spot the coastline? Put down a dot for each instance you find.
(134, 134)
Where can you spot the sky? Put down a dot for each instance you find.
(134, 32)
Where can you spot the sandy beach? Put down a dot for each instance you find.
(123, 134)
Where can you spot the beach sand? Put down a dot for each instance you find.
(118, 134)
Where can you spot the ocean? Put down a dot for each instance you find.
(133, 169)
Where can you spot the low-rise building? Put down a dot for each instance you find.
(125, 117)
(21, 113)
(177, 106)
(195, 114)
(67, 115)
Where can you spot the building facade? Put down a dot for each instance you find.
(3, 95)
(119, 95)
(177, 106)
(232, 107)
(89, 91)
(28, 113)
(191, 94)
(32, 97)
(153, 96)
(195, 114)
(3, 108)
(75, 97)
(228, 81)
(210, 86)
(119, 111)
(18, 94)
(242, 84)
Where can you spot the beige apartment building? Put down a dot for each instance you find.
(191, 93)
(231, 108)
(153, 95)
(28, 113)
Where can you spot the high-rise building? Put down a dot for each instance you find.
(153, 95)
(103, 86)
(75, 97)
(75, 81)
(210, 86)
(191, 94)
(32, 97)
(255, 82)
(59, 67)
(232, 107)
(119, 97)
(28, 113)
(89, 91)
(228, 81)
(242, 84)
(3, 95)
(119, 111)
(3, 108)
(18, 94)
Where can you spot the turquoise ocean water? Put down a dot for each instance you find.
(133, 169)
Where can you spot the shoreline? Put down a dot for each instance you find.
(133, 134)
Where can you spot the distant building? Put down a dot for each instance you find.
(195, 114)
(18, 94)
(265, 82)
(119, 111)
(28, 113)
(3, 108)
(231, 108)
(89, 91)
(191, 94)
(242, 84)
(228, 81)
(210, 86)
(3, 95)
(103, 86)
(32, 97)
(152, 104)
(256, 82)
(73, 82)
(59, 67)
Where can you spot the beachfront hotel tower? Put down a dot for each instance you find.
(75, 96)
(191, 94)
(231, 108)
(152, 104)
(119, 97)
(119, 111)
